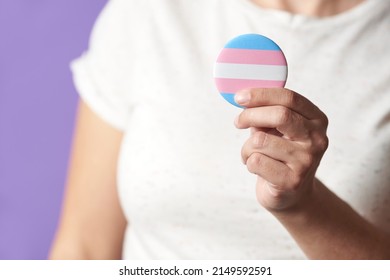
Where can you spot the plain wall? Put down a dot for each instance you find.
(38, 39)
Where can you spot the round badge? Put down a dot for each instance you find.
(249, 61)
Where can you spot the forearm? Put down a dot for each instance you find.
(325, 227)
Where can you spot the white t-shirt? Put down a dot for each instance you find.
(181, 182)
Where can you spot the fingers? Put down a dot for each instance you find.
(272, 146)
(257, 97)
(289, 155)
(288, 139)
(287, 122)
(271, 170)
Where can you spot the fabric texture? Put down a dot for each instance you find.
(183, 188)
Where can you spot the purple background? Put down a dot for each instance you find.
(37, 105)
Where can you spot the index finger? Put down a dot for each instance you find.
(257, 97)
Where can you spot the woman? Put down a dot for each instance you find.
(156, 171)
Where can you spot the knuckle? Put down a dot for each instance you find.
(244, 156)
(259, 139)
(319, 143)
(245, 151)
(307, 160)
(254, 163)
(283, 115)
(291, 98)
(323, 143)
(325, 120)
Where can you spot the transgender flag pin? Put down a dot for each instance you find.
(249, 61)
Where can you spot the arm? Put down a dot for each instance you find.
(92, 223)
(286, 146)
(325, 227)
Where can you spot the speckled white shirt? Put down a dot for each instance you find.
(183, 188)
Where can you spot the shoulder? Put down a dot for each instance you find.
(132, 17)
(145, 8)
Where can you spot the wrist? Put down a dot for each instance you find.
(308, 204)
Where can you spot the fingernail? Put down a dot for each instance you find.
(242, 97)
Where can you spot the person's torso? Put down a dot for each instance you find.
(182, 184)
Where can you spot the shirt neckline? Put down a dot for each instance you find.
(368, 7)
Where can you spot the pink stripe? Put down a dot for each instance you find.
(242, 56)
(234, 85)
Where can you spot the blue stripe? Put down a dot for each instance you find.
(229, 97)
(252, 42)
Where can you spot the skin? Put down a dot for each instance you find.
(285, 148)
(92, 223)
(315, 8)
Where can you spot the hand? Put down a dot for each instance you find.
(288, 139)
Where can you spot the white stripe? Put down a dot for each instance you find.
(250, 71)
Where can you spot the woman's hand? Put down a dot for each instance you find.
(288, 139)
(287, 143)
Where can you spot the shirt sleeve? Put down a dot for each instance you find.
(100, 72)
